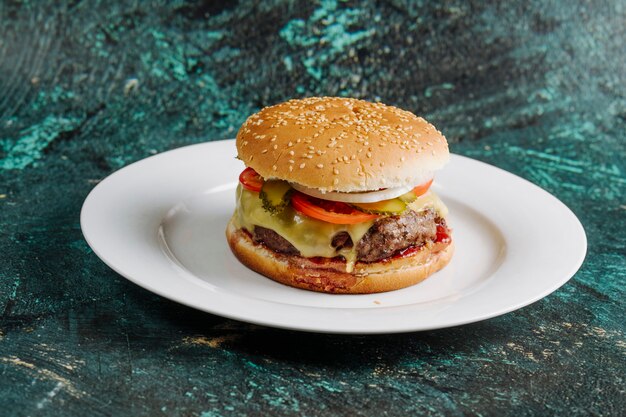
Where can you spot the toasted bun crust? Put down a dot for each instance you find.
(341, 144)
(330, 277)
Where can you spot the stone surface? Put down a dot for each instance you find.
(536, 88)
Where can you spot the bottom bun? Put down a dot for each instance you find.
(330, 276)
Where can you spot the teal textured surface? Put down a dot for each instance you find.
(89, 87)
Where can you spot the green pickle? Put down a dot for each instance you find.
(389, 207)
(275, 195)
(408, 197)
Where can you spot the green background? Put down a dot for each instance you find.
(87, 87)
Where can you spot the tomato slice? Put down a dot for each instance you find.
(422, 188)
(251, 180)
(329, 211)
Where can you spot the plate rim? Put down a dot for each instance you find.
(311, 327)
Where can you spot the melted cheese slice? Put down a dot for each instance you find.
(310, 236)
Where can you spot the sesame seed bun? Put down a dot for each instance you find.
(341, 144)
(331, 276)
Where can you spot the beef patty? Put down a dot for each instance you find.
(274, 241)
(387, 236)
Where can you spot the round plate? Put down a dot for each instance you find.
(160, 223)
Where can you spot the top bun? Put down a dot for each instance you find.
(341, 144)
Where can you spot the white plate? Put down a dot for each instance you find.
(160, 223)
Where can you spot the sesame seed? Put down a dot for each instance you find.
(291, 161)
(290, 144)
(274, 167)
(264, 151)
(290, 168)
(353, 157)
(309, 156)
(336, 181)
(335, 171)
(275, 147)
(292, 153)
(245, 142)
(311, 147)
(302, 165)
(369, 154)
(402, 159)
(320, 165)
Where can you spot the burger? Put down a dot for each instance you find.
(336, 196)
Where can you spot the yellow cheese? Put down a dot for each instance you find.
(310, 236)
(429, 200)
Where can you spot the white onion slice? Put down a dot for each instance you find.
(359, 197)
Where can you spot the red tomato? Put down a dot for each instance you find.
(251, 180)
(329, 211)
(422, 188)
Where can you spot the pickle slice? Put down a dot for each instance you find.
(408, 197)
(275, 195)
(389, 207)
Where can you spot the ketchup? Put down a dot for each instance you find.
(443, 234)
(408, 251)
